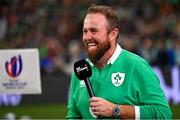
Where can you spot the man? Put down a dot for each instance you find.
(124, 84)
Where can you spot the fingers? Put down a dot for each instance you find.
(95, 110)
(94, 99)
(100, 106)
(93, 102)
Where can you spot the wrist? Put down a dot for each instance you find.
(116, 111)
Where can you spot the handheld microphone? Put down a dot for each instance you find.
(83, 71)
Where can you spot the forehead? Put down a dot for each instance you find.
(95, 20)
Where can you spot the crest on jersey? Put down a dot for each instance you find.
(117, 78)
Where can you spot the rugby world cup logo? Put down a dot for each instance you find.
(14, 66)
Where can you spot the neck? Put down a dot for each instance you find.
(103, 60)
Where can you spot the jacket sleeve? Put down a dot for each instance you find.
(73, 112)
(152, 101)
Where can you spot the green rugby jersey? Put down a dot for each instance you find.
(128, 80)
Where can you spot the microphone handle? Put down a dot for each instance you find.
(89, 87)
(90, 91)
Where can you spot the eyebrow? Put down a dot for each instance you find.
(91, 29)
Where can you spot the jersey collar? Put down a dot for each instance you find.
(113, 58)
(115, 55)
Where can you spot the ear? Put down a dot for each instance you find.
(113, 34)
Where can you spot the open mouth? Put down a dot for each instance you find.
(91, 45)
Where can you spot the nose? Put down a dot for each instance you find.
(87, 35)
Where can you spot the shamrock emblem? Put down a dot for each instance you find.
(117, 78)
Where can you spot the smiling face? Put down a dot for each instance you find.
(96, 37)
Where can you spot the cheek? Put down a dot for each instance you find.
(102, 39)
(98, 38)
(83, 38)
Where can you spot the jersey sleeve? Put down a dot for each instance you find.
(152, 101)
(73, 112)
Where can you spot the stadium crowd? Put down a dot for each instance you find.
(149, 28)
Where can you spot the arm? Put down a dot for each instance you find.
(102, 107)
(73, 112)
(152, 103)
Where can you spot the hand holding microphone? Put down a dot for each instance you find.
(99, 106)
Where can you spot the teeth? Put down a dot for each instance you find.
(91, 44)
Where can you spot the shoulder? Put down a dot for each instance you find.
(131, 58)
(138, 64)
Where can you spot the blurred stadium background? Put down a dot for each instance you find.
(149, 28)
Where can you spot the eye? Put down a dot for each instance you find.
(93, 30)
(84, 31)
